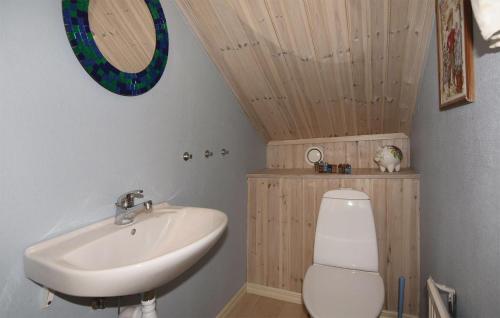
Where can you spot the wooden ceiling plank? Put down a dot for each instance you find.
(420, 34)
(398, 30)
(337, 24)
(357, 11)
(304, 118)
(346, 57)
(306, 110)
(291, 25)
(260, 30)
(336, 12)
(318, 68)
(207, 33)
(334, 25)
(248, 81)
(320, 42)
(246, 69)
(323, 47)
(379, 48)
(367, 25)
(414, 8)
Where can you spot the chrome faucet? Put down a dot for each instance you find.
(127, 210)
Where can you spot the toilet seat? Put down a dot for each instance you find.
(333, 292)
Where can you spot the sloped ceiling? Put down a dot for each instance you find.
(318, 68)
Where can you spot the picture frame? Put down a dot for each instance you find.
(455, 53)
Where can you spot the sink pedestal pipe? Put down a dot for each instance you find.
(147, 308)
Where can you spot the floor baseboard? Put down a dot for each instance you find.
(275, 293)
(232, 302)
(281, 294)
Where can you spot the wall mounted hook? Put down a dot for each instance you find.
(187, 156)
(224, 152)
(208, 154)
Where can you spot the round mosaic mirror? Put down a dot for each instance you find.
(122, 44)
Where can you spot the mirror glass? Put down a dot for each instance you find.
(124, 32)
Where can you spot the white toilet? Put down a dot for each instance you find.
(343, 281)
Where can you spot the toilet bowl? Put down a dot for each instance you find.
(343, 281)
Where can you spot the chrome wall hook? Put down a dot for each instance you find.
(208, 154)
(224, 152)
(187, 156)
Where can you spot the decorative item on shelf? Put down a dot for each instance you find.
(341, 169)
(317, 167)
(321, 167)
(347, 169)
(325, 167)
(388, 158)
(314, 155)
(329, 168)
(123, 45)
(455, 52)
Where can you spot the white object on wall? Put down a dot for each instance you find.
(437, 308)
(487, 13)
(314, 154)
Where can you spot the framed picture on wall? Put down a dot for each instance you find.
(455, 53)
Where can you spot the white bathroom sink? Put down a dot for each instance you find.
(106, 260)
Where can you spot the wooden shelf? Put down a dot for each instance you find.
(361, 173)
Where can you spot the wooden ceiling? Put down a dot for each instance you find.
(318, 68)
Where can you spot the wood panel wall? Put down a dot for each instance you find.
(318, 68)
(358, 151)
(282, 214)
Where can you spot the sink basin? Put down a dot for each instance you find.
(107, 260)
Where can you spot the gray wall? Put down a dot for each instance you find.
(458, 154)
(69, 148)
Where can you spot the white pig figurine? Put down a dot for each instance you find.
(388, 158)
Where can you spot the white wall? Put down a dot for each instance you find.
(69, 148)
(458, 154)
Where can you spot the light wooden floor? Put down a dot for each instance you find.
(253, 306)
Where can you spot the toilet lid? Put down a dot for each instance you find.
(331, 292)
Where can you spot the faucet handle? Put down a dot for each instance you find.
(126, 200)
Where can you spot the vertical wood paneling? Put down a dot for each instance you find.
(261, 231)
(273, 229)
(309, 225)
(252, 249)
(379, 205)
(296, 200)
(359, 153)
(318, 68)
(395, 231)
(282, 225)
(411, 246)
(285, 233)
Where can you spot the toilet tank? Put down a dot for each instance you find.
(345, 231)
